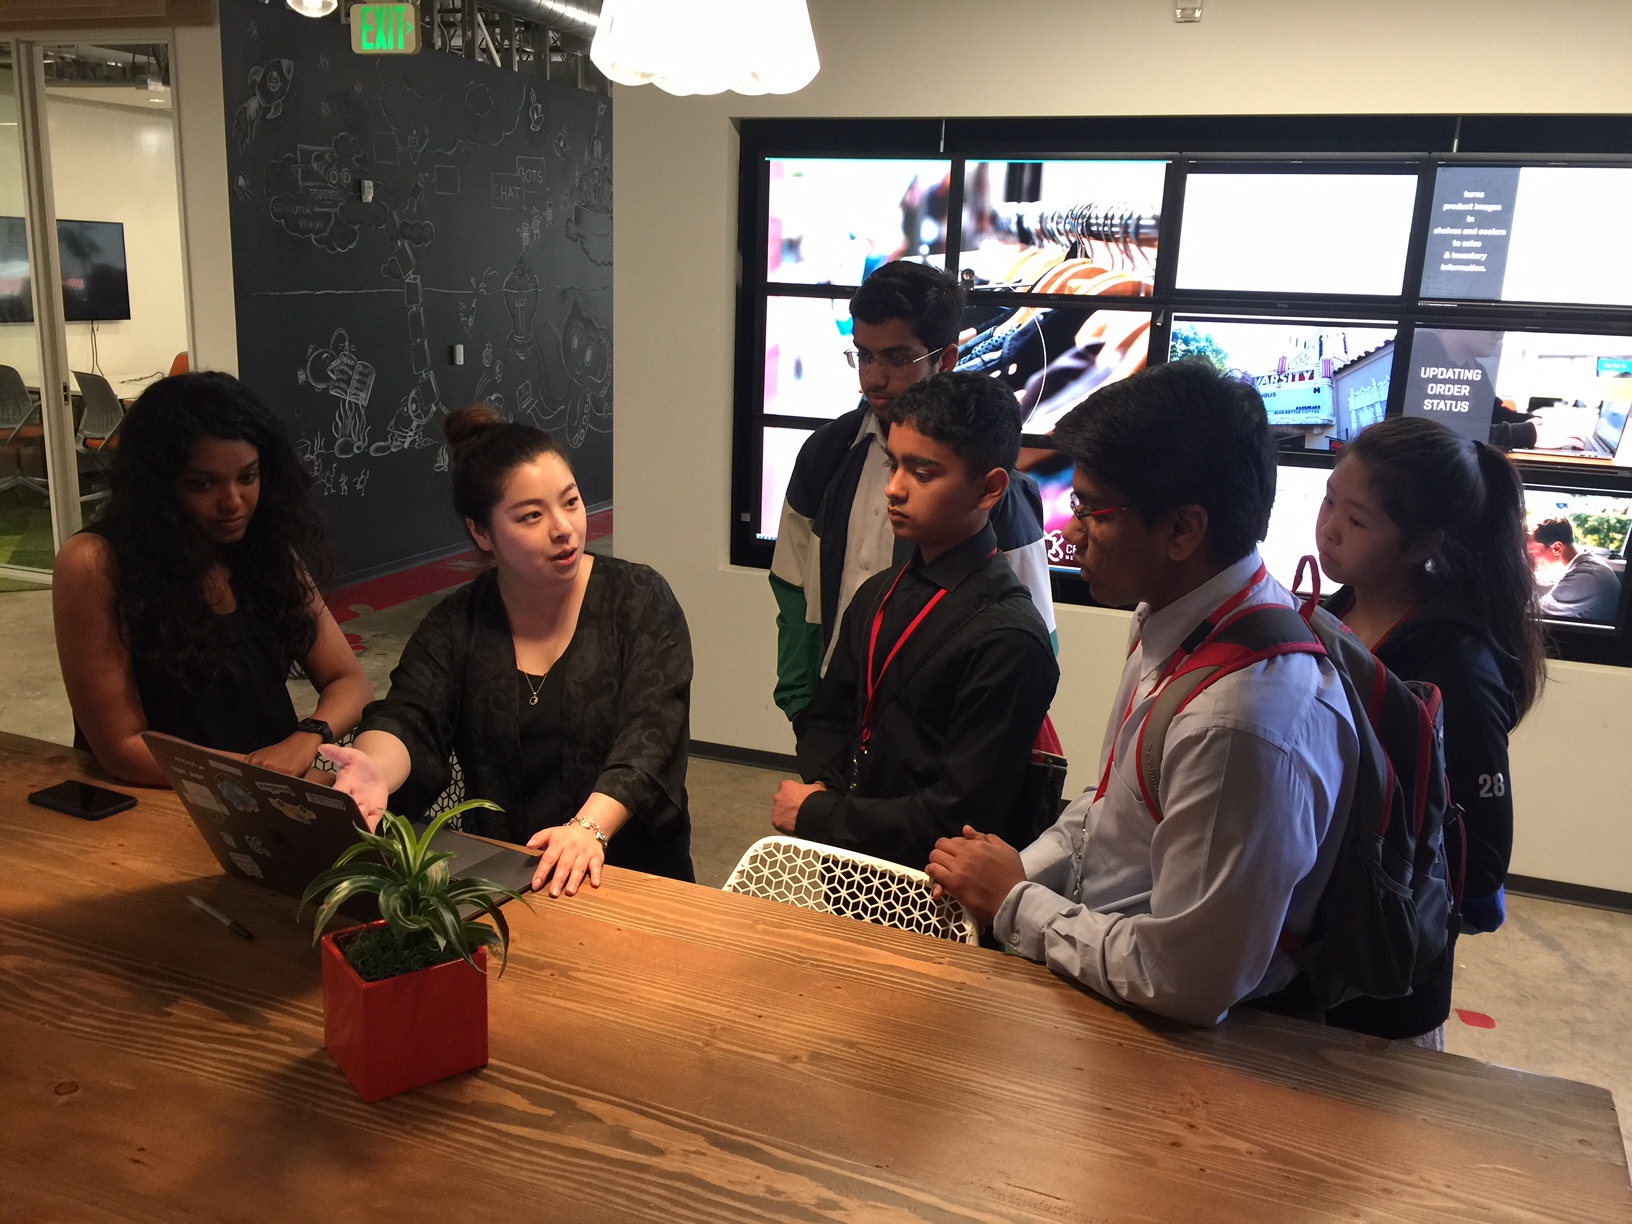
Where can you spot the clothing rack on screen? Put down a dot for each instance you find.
(1034, 225)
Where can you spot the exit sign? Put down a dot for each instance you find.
(385, 29)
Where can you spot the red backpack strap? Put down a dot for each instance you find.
(1266, 631)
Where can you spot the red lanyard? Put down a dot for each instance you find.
(875, 675)
(1215, 622)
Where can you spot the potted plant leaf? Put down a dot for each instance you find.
(405, 998)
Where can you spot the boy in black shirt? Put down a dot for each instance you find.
(943, 671)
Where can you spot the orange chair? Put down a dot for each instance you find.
(180, 365)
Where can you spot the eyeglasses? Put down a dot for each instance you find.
(1082, 514)
(893, 361)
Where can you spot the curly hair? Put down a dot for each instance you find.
(164, 615)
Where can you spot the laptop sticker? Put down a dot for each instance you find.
(294, 811)
(227, 838)
(275, 788)
(326, 801)
(227, 769)
(255, 844)
(201, 797)
(239, 795)
(246, 865)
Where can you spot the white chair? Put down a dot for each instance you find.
(834, 881)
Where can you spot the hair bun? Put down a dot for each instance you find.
(463, 425)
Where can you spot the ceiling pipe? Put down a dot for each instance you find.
(579, 17)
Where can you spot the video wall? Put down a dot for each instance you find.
(1483, 288)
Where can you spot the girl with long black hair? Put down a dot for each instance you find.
(1426, 530)
(193, 597)
(559, 680)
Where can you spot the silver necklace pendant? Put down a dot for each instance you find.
(533, 700)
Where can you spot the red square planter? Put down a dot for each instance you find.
(403, 1032)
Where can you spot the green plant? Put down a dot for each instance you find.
(420, 900)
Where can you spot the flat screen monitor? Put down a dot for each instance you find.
(1322, 381)
(780, 449)
(1530, 234)
(1298, 232)
(16, 294)
(1055, 357)
(833, 220)
(1571, 390)
(806, 374)
(1291, 534)
(1081, 227)
(95, 282)
(1578, 554)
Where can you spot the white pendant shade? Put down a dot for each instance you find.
(314, 8)
(706, 46)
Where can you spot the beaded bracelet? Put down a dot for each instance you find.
(587, 823)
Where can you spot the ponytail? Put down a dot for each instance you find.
(1434, 482)
(1498, 545)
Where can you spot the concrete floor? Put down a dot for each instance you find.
(1556, 980)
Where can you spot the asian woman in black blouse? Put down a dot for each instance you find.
(559, 679)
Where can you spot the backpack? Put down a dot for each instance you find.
(1384, 917)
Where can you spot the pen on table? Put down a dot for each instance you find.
(236, 927)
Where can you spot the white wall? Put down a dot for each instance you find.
(117, 163)
(675, 284)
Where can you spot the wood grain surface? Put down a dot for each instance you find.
(662, 1051)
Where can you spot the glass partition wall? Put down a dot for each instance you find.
(92, 301)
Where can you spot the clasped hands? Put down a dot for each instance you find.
(979, 869)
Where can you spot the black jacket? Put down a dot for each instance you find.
(625, 703)
(955, 714)
(1476, 682)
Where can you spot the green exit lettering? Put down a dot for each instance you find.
(385, 29)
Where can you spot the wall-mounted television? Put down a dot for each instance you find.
(95, 279)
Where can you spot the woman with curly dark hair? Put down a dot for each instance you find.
(192, 598)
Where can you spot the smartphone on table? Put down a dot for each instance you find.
(82, 799)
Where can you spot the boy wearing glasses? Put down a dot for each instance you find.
(835, 533)
(1178, 902)
(943, 669)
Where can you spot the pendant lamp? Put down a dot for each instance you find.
(314, 8)
(706, 46)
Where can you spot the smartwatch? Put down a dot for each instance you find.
(316, 726)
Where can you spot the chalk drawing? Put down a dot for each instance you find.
(335, 368)
(269, 85)
(590, 224)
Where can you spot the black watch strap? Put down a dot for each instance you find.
(316, 726)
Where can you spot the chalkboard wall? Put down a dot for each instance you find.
(490, 226)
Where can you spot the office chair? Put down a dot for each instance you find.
(103, 413)
(180, 365)
(834, 881)
(97, 430)
(17, 408)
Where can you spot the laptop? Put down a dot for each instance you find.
(281, 832)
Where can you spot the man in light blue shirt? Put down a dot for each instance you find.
(1179, 905)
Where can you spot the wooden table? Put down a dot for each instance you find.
(662, 1051)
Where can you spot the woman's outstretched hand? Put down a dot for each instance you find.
(571, 853)
(360, 778)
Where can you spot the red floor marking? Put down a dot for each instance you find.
(392, 589)
(1474, 1019)
(387, 591)
(355, 641)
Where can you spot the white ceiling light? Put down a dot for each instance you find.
(706, 46)
(314, 8)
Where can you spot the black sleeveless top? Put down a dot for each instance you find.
(243, 706)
